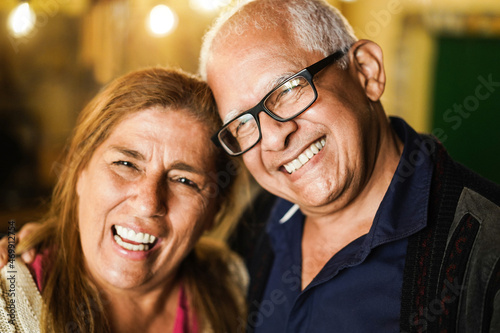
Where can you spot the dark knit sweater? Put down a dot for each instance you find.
(452, 271)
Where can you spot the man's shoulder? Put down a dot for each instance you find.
(455, 174)
(456, 258)
(252, 224)
(483, 187)
(473, 251)
(475, 208)
(251, 241)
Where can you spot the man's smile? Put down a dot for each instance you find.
(305, 156)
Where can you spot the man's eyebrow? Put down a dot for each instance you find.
(279, 80)
(232, 114)
(129, 152)
(270, 86)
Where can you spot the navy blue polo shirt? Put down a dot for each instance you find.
(359, 289)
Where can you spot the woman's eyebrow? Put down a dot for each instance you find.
(128, 152)
(178, 165)
(187, 167)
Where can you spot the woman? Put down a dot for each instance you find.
(120, 250)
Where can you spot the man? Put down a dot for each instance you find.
(376, 229)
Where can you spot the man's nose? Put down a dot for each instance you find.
(150, 197)
(275, 133)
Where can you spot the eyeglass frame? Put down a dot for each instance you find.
(307, 73)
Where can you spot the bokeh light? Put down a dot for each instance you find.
(162, 20)
(21, 20)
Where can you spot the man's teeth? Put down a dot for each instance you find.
(129, 234)
(303, 158)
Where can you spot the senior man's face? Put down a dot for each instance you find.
(244, 70)
(145, 198)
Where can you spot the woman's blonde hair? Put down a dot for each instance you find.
(71, 300)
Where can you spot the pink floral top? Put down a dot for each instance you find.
(183, 316)
(185, 322)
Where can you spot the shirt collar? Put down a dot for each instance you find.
(403, 210)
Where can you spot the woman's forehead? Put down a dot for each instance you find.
(167, 131)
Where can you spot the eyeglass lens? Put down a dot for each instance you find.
(288, 100)
(291, 98)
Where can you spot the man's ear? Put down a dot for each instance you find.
(367, 60)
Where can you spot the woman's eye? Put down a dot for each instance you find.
(188, 182)
(125, 164)
(125, 168)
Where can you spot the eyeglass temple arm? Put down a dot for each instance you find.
(315, 68)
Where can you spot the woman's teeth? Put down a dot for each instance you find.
(130, 235)
(303, 158)
(131, 247)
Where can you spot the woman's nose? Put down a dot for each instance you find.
(150, 197)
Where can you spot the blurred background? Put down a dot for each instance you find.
(442, 61)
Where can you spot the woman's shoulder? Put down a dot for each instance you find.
(217, 281)
(20, 300)
(216, 257)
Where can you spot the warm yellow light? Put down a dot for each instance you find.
(21, 20)
(162, 20)
(208, 5)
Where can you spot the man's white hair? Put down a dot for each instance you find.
(314, 24)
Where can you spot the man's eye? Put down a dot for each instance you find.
(245, 127)
(292, 86)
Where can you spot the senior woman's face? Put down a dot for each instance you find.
(145, 198)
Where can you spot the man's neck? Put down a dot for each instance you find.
(324, 235)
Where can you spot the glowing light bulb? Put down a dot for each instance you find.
(162, 20)
(21, 20)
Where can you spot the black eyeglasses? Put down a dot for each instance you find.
(283, 103)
